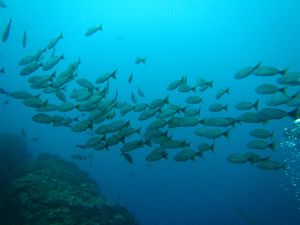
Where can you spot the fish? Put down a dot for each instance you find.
(157, 154)
(66, 107)
(261, 145)
(218, 121)
(81, 157)
(277, 99)
(20, 95)
(42, 118)
(275, 113)
(139, 107)
(54, 41)
(184, 87)
(39, 53)
(158, 103)
(246, 71)
(176, 83)
(183, 122)
(30, 68)
(93, 30)
(127, 157)
(269, 89)
(105, 77)
(252, 117)
(290, 78)
(172, 143)
(192, 112)
(237, 158)
(140, 60)
(268, 71)
(85, 83)
(61, 96)
(53, 61)
(254, 158)
(270, 165)
(206, 147)
(82, 126)
(221, 92)
(35, 102)
(6, 31)
(2, 70)
(2, 4)
(135, 144)
(6, 102)
(211, 133)
(130, 78)
(247, 105)
(23, 133)
(2, 91)
(204, 84)
(24, 39)
(35, 139)
(133, 98)
(184, 155)
(261, 133)
(141, 92)
(216, 107)
(26, 60)
(194, 99)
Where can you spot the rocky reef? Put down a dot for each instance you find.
(56, 192)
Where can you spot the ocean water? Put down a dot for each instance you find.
(209, 39)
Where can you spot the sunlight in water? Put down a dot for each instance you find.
(291, 143)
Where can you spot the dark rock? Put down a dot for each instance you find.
(56, 192)
(13, 157)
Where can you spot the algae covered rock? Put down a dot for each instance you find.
(13, 157)
(56, 192)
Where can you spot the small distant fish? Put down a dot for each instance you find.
(2, 70)
(140, 60)
(81, 157)
(6, 31)
(23, 133)
(24, 39)
(130, 78)
(127, 157)
(2, 4)
(93, 30)
(141, 92)
(35, 139)
(6, 102)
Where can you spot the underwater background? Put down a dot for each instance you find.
(209, 39)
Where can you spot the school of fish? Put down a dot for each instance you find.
(101, 114)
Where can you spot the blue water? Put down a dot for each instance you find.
(210, 39)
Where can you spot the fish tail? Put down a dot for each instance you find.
(255, 105)
(283, 72)
(226, 134)
(272, 146)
